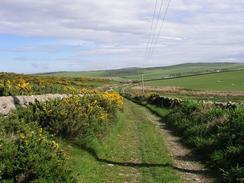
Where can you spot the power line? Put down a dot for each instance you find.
(154, 13)
(160, 30)
(149, 40)
(154, 28)
(154, 35)
(143, 84)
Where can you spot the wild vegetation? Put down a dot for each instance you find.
(215, 132)
(18, 84)
(29, 151)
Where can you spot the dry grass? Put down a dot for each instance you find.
(187, 92)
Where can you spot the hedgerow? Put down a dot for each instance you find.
(217, 134)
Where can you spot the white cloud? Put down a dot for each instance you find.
(209, 30)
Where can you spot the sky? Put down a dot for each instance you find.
(80, 35)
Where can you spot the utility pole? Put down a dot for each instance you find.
(143, 84)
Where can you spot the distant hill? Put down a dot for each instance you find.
(154, 72)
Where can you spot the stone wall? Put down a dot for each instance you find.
(9, 103)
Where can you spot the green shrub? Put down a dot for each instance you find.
(234, 174)
(196, 130)
(215, 133)
(189, 106)
(203, 145)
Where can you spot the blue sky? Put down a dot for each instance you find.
(50, 35)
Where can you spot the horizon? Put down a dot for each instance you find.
(38, 38)
(140, 67)
(122, 68)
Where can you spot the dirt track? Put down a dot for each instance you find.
(184, 161)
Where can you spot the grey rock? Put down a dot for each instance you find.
(7, 105)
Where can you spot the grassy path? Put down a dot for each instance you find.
(134, 152)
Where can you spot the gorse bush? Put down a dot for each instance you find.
(29, 155)
(28, 150)
(18, 84)
(89, 115)
(114, 99)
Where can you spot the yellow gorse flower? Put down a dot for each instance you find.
(114, 98)
(24, 85)
(103, 116)
(55, 145)
(85, 91)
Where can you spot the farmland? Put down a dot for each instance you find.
(226, 81)
(223, 86)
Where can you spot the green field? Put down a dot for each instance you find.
(76, 74)
(154, 72)
(226, 81)
(182, 70)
